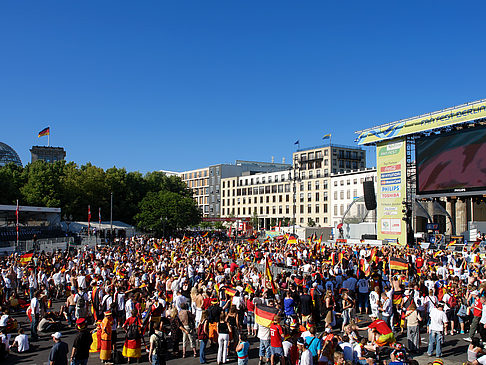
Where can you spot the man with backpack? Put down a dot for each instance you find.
(158, 347)
(81, 300)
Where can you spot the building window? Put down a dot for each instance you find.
(317, 219)
(309, 208)
(287, 209)
(325, 185)
(310, 174)
(301, 197)
(335, 210)
(341, 209)
(325, 196)
(318, 173)
(335, 195)
(341, 194)
(325, 208)
(317, 208)
(317, 196)
(348, 194)
(302, 209)
(317, 185)
(309, 197)
(309, 185)
(325, 219)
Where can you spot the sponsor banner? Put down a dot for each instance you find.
(391, 175)
(459, 114)
(390, 181)
(391, 163)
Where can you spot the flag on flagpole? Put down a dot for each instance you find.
(297, 142)
(45, 132)
(89, 218)
(327, 136)
(17, 224)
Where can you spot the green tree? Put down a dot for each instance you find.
(219, 226)
(166, 212)
(311, 223)
(11, 180)
(42, 185)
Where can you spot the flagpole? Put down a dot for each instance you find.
(17, 225)
(49, 136)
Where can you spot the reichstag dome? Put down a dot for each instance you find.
(8, 154)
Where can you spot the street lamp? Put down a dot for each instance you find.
(296, 177)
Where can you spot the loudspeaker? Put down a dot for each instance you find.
(369, 195)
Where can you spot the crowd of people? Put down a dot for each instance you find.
(300, 303)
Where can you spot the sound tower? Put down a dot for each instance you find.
(369, 195)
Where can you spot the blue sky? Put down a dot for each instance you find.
(178, 85)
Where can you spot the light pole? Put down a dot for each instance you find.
(111, 217)
(295, 178)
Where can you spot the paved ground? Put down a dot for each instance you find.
(454, 349)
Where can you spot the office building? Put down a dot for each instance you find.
(346, 187)
(280, 197)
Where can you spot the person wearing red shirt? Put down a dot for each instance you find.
(276, 338)
(379, 333)
(250, 315)
(477, 309)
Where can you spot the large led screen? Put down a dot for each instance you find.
(451, 163)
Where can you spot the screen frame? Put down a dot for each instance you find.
(469, 191)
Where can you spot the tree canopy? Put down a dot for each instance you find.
(137, 199)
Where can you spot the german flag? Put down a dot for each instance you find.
(230, 291)
(267, 240)
(156, 245)
(44, 132)
(26, 258)
(452, 243)
(398, 264)
(185, 239)
(205, 234)
(249, 289)
(475, 245)
(269, 277)
(291, 240)
(264, 315)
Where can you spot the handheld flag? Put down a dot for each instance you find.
(398, 264)
(44, 132)
(26, 258)
(264, 315)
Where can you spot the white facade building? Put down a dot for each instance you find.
(345, 188)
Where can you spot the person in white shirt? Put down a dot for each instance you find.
(21, 342)
(35, 310)
(375, 302)
(305, 354)
(387, 309)
(437, 328)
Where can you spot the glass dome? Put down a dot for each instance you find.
(8, 154)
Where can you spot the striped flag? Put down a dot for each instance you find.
(397, 263)
(230, 291)
(264, 315)
(44, 132)
(26, 258)
(89, 217)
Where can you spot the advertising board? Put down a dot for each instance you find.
(391, 174)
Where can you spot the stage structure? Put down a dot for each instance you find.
(440, 155)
